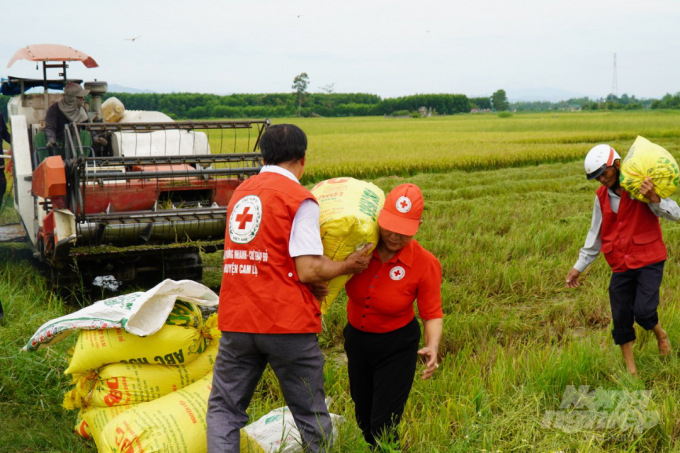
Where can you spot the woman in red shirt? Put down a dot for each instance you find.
(382, 335)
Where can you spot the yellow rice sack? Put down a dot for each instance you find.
(91, 421)
(172, 345)
(646, 159)
(185, 314)
(172, 424)
(349, 220)
(141, 313)
(122, 384)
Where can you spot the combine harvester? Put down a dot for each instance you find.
(143, 205)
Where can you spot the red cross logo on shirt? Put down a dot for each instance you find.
(397, 273)
(244, 218)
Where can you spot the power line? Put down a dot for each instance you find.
(615, 83)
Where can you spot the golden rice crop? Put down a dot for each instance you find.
(371, 147)
(376, 146)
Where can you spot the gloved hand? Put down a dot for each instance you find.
(101, 141)
(51, 144)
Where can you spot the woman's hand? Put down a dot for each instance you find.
(432, 333)
(431, 364)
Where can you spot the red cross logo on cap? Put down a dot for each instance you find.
(243, 218)
(403, 204)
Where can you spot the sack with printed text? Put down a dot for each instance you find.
(91, 421)
(349, 220)
(122, 384)
(646, 159)
(172, 345)
(140, 313)
(172, 424)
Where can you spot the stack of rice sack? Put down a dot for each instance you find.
(349, 220)
(648, 160)
(147, 393)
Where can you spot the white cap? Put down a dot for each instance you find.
(598, 159)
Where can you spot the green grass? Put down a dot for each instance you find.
(507, 225)
(514, 336)
(31, 384)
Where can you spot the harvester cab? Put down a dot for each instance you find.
(142, 203)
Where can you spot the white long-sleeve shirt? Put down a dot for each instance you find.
(666, 208)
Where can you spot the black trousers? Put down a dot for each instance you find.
(381, 368)
(634, 297)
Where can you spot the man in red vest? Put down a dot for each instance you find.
(267, 313)
(628, 233)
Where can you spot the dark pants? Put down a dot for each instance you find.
(297, 362)
(634, 297)
(381, 368)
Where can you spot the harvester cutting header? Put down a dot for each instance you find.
(121, 192)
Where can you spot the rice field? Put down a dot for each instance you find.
(371, 147)
(507, 208)
(374, 147)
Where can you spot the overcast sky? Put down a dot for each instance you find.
(390, 48)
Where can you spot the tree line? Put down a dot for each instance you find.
(195, 106)
(611, 102)
(272, 105)
(669, 101)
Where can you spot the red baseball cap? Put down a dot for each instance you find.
(403, 210)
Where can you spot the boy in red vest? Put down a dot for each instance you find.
(628, 233)
(267, 313)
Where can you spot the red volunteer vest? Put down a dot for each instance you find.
(261, 292)
(632, 238)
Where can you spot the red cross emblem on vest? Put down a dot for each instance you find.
(243, 218)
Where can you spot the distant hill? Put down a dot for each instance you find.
(114, 88)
